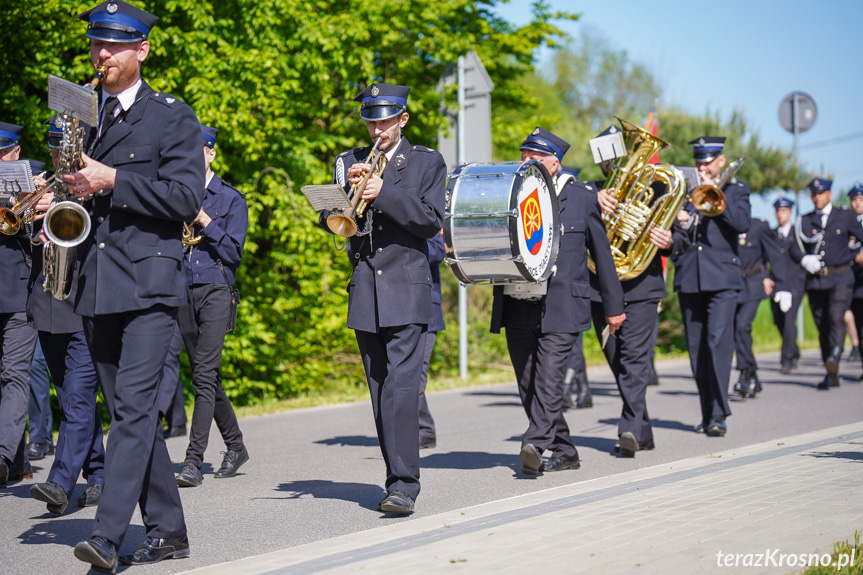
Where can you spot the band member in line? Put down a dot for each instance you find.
(210, 266)
(437, 254)
(786, 322)
(541, 330)
(824, 248)
(18, 337)
(389, 295)
(758, 249)
(856, 197)
(707, 280)
(61, 332)
(145, 174)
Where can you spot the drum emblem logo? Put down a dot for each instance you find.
(531, 221)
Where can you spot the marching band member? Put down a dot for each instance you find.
(210, 270)
(786, 322)
(541, 331)
(389, 296)
(145, 174)
(758, 248)
(61, 333)
(437, 254)
(707, 280)
(856, 197)
(18, 337)
(823, 248)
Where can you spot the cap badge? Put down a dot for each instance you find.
(375, 91)
(701, 141)
(535, 132)
(170, 100)
(112, 8)
(613, 130)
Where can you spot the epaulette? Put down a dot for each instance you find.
(349, 152)
(423, 149)
(242, 195)
(165, 99)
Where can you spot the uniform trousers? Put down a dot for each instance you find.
(828, 309)
(79, 443)
(39, 416)
(393, 359)
(628, 355)
(857, 310)
(171, 401)
(575, 361)
(708, 318)
(203, 323)
(129, 351)
(743, 318)
(16, 354)
(786, 323)
(426, 421)
(538, 360)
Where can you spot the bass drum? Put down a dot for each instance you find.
(502, 223)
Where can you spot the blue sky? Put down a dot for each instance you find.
(748, 55)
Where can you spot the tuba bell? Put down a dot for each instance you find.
(640, 206)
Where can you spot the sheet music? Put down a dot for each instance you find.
(691, 176)
(607, 147)
(326, 197)
(65, 96)
(16, 178)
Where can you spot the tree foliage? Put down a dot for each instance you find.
(277, 78)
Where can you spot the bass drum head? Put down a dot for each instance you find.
(537, 228)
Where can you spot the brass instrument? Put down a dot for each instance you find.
(344, 224)
(709, 200)
(639, 208)
(189, 237)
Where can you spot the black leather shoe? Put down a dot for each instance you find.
(717, 427)
(854, 354)
(189, 476)
(829, 381)
(584, 398)
(36, 451)
(832, 361)
(5, 464)
(52, 494)
(91, 496)
(531, 459)
(628, 445)
(100, 553)
(25, 472)
(427, 442)
(745, 386)
(786, 368)
(176, 431)
(701, 427)
(756, 383)
(738, 387)
(653, 377)
(234, 458)
(397, 502)
(154, 549)
(560, 463)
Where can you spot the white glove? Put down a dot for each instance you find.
(811, 263)
(783, 298)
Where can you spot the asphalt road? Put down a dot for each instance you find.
(317, 473)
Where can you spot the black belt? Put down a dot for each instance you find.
(752, 271)
(827, 270)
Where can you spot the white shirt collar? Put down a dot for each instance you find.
(785, 230)
(126, 97)
(392, 151)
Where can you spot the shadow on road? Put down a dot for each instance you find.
(363, 494)
(351, 440)
(470, 460)
(69, 532)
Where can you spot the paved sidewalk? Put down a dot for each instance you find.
(792, 496)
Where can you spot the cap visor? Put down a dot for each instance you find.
(376, 113)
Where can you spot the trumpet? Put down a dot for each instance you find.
(344, 223)
(708, 200)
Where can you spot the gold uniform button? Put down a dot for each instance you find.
(100, 219)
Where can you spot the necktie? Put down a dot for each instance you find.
(108, 116)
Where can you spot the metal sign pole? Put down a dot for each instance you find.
(795, 122)
(462, 290)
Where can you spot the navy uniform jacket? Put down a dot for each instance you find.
(566, 305)
(437, 254)
(44, 311)
(391, 281)
(224, 237)
(133, 257)
(795, 274)
(706, 256)
(841, 231)
(761, 247)
(14, 272)
(858, 271)
(649, 285)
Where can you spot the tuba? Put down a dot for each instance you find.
(344, 224)
(67, 223)
(639, 206)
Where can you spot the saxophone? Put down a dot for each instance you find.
(66, 223)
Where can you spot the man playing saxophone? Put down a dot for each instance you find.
(389, 295)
